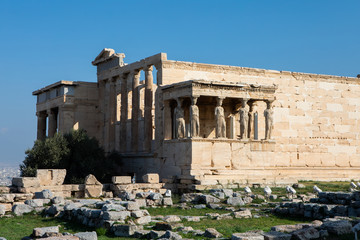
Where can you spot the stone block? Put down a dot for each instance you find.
(26, 182)
(172, 218)
(121, 179)
(112, 207)
(58, 200)
(2, 210)
(272, 235)
(132, 206)
(247, 236)
(86, 235)
(91, 180)
(167, 201)
(139, 213)
(212, 233)
(235, 201)
(20, 209)
(171, 235)
(337, 227)
(7, 198)
(125, 230)
(306, 234)
(207, 199)
(41, 232)
(242, 214)
(51, 177)
(141, 202)
(114, 216)
(143, 220)
(93, 191)
(7, 206)
(155, 234)
(44, 194)
(286, 228)
(151, 178)
(37, 202)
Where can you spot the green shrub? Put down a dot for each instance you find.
(76, 152)
(101, 231)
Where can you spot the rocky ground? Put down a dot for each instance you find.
(129, 215)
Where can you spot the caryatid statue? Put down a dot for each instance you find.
(194, 115)
(180, 121)
(244, 120)
(269, 120)
(253, 107)
(220, 119)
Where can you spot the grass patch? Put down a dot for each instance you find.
(181, 212)
(324, 186)
(16, 228)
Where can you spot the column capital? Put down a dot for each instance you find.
(114, 79)
(41, 114)
(269, 103)
(194, 99)
(135, 71)
(219, 101)
(148, 68)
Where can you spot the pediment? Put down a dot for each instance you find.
(105, 54)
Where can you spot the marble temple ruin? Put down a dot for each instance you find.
(203, 124)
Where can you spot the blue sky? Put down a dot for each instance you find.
(42, 42)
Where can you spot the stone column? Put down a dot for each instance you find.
(135, 111)
(112, 109)
(118, 112)
(52, 122)
(148, 121)
(269, 120)
(124, 113)
(194, 118)
(244, 120)
(41, 125)
(220, 131)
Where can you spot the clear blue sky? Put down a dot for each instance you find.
(42, 42)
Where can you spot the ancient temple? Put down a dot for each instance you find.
(203, 124)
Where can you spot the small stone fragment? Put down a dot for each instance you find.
(212, 233)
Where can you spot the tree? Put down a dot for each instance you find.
(44, 154)
(76, 152)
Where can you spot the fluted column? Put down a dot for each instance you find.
(124, 113)
(117, 112)
(41, 125)
(112, 110)
(148, 121)
(135, 111)
(52, 123)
